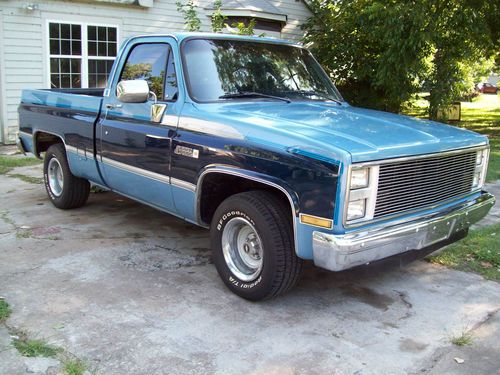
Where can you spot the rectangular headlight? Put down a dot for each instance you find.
(361, 193)
(479, 157)
(359, 178)
(481, 168)
(356, 209)
(476, 180)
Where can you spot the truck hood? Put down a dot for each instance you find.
(365, 134)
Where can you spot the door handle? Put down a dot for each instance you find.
(113, 106)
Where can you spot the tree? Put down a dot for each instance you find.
(144, 71)
(218, 19)
(243, 28)
(462, 35)
(190, 14)
(380, 52)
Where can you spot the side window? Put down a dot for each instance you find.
(171, 79)
(148, 62)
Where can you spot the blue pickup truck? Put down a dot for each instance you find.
(249, 137)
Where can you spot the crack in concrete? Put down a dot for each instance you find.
(403, 296)
(22, 272)
(439, 353)
(45, 364)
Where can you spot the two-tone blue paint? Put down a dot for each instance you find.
(26, 140)
(304, 147)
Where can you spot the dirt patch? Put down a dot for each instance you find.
(412, 346)
(156, 257)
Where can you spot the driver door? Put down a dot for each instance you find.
(133, 146)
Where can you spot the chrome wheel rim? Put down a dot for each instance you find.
(55, 177)
(242, 248)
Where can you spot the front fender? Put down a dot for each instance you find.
(251, 175)
(302, 233)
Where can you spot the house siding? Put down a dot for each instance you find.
(3, 130)
(23, 55)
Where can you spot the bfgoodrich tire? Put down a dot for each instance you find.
(252, 244)
(63, 188)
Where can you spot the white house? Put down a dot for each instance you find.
(57, 43)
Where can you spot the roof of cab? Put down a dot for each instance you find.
(180, 36)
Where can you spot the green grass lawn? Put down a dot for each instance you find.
(9, 162)
(481, 115)
(34, 347)
(5, 310)
(479, 252)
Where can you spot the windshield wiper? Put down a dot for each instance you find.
(247, 94)
(316, 93)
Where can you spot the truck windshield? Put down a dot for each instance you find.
(219, 69)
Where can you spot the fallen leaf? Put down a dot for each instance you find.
(459, 360)
(486, 265)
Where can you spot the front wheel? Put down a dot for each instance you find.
(252, 244)
(63, 188)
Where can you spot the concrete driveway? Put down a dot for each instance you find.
(131, 290)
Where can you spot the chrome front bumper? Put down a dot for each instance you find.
(340, 252)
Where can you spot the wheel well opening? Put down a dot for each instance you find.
(217, 187)
(44, 140)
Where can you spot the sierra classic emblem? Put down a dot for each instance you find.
(186, 151)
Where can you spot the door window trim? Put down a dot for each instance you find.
(123, 63)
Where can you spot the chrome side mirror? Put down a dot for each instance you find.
(133, 91)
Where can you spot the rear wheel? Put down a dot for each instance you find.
(252, 244)
(64, 189)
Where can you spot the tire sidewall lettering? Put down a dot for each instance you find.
(243, 285)
(229, 215)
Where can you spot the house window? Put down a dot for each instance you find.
(102, 45)
(65, 55)
(81, 55)
(261, 25)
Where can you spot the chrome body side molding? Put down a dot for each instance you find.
(135, 170)
(183, 184)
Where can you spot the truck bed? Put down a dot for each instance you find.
(68, 113)
(88, 100)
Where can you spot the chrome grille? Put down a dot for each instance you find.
(417, 183)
